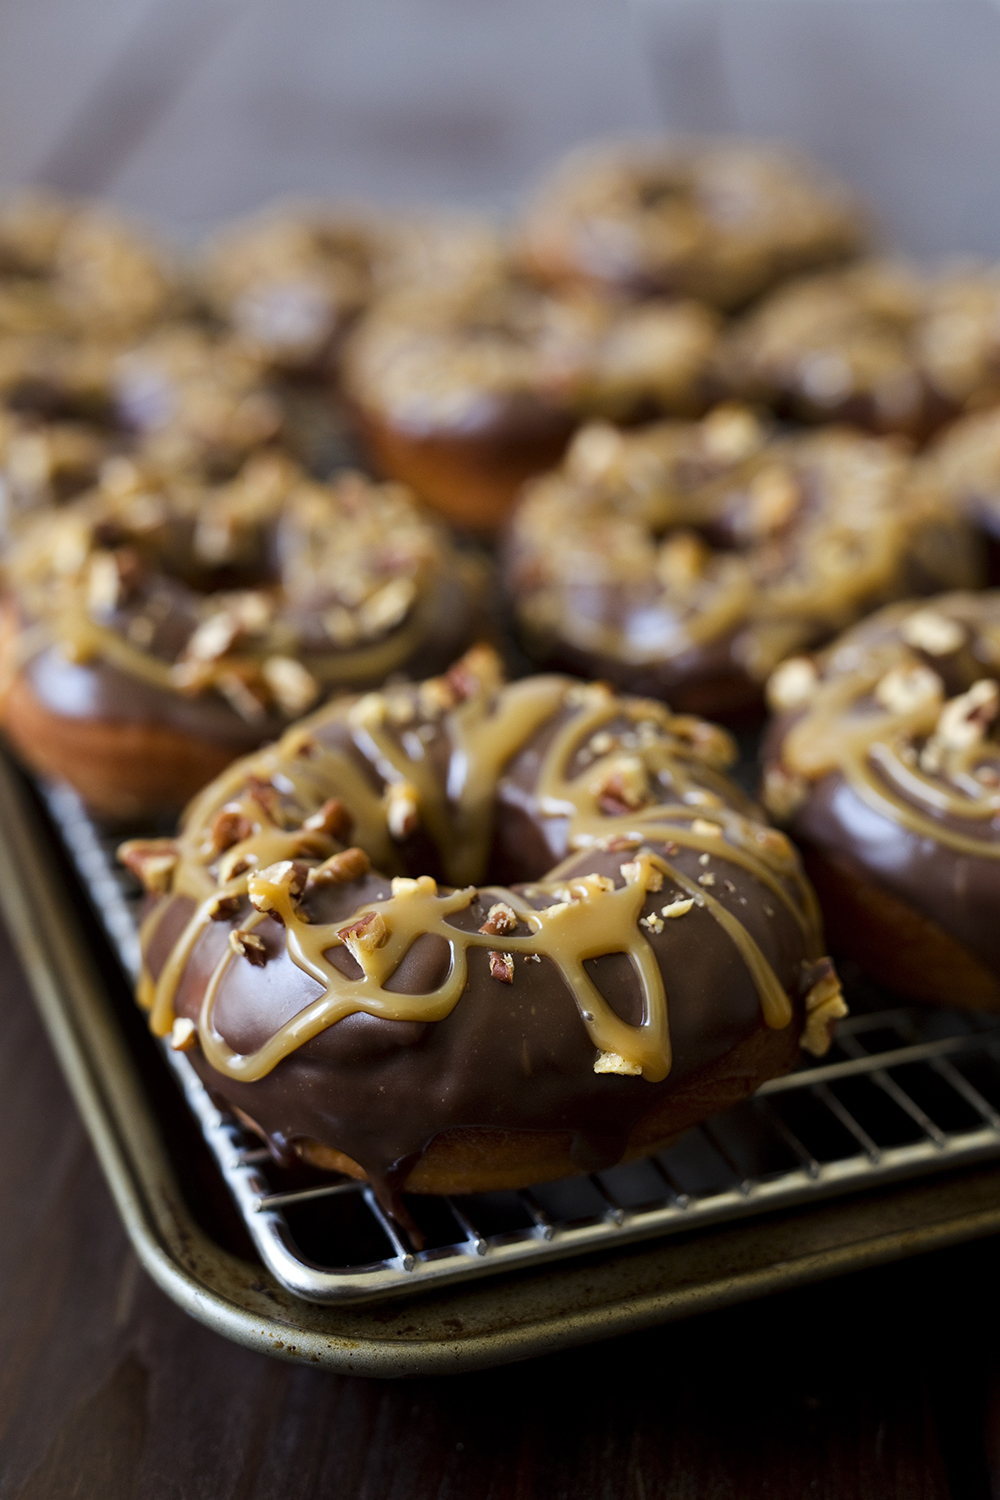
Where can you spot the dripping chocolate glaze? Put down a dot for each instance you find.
(850, 775)
(377, 1052)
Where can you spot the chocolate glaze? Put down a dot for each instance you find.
(958, 891)
(512, 1057)
(924, 854)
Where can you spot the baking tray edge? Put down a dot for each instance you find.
(515, 1317)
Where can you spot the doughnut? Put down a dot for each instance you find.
(884, 764)
(464, 393)
(191, 399)
(45, 463)
(965, 462)
(880, 343)
(320, 942)
(75, 268)
(717, 220)
(152, 630)
(290, 281)
(685, 559)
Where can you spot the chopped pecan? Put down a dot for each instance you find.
(479, 670)
(905, 689)
(183, 1035)
(213, 637)
(267, 885)
(613, 1062)
(387, 607)
(634, 870)
(238, 690)
(791, 684)
(152, 861)
(622, 841)
(622, 787)
(223, 907)
(502, 966)
(341, 869)
(293, 687)
(249, 946)
(332, 818)
(364, 935)
(229, 826)
(824, 1005)
(932, 632)
(402, 809)
(500, 920)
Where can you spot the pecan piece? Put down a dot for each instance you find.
(502, 966)
(500, 920)
(249, 946)
(402, 809)
(365, 935)
(223, 907)
(184, 1035)
(152, 861)
(229, 826)
(340, 869)
(332, 818)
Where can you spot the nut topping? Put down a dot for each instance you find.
(213, 637)
(962, 723)
(332, 818)
(294, 688)
(791, 684)
(223, 907)
(931, 632)
(402, 809)
(183, 1034)
(905, 689)
(613, 1062)
(267, 886)
(229, 826)
(633, 871)
(249, 946)
(502, 966)
(824, 1005)
(152, 861)
(365, 935)
(500, 920)
(341, 869)
(622, 787)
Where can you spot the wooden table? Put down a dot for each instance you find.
(858, 1388)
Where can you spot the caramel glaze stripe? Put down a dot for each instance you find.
(586, 919)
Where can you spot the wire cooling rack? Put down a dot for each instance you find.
(905, 1091)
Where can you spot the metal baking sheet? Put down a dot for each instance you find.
(905, 1091)
(546, 1305)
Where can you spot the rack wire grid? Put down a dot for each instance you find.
(905, 1090)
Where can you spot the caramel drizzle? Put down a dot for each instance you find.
(587, 916)
(875, 751)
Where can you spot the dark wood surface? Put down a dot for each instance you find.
(875, 1386)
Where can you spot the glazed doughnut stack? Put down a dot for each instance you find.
(420, 923)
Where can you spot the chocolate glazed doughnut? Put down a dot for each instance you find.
(466, 391)
(460, 1037)
(685, 559)
(885, 765)
(152, 631)
(721, 220)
